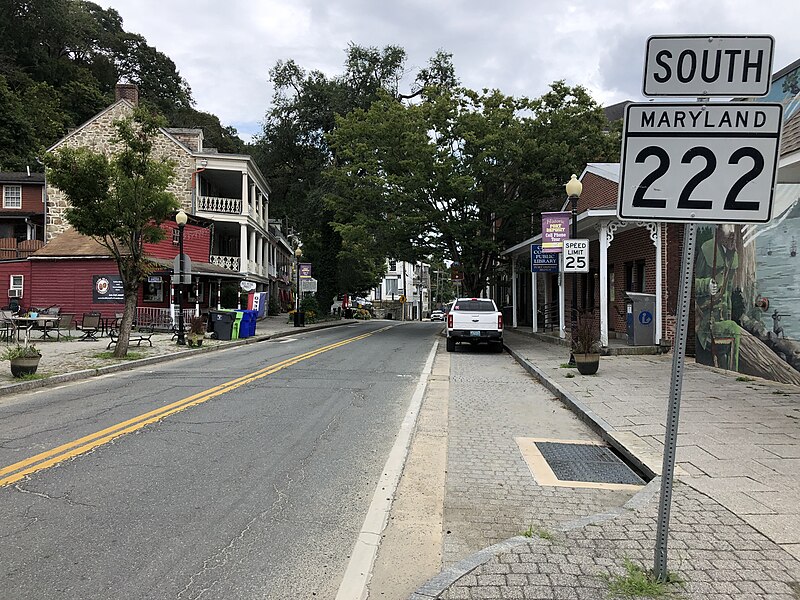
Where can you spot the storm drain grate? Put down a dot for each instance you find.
(587, 462)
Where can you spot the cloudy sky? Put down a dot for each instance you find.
(225, 48)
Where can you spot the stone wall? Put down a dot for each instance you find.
(97, 136)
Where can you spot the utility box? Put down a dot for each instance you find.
(640, 319)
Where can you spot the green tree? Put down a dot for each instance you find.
(120, 201)
(294, 152)
(462, 173)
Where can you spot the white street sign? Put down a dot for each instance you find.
(576, 256)
(697, 162)
(708, 65)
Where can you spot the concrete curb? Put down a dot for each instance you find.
(588, 416)
(24, 386)
(437, 585)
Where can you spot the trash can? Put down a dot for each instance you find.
(640, 319)
(223, 324)
(299, 318)
(247, 323)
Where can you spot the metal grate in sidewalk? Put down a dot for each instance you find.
(587, 462)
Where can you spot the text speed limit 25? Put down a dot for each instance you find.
(699, 162)
(576, 256)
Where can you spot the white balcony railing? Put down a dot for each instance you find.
(220, 205)
(229, 262)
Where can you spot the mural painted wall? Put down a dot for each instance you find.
(747, 281)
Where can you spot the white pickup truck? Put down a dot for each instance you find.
(474, 320)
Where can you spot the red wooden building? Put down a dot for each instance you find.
(76, 273)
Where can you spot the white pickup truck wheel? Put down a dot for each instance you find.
(451, 345)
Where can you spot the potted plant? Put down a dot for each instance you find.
(586, 345)
(197, 331)
(24, 359)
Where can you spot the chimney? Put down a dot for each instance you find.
(129, 91)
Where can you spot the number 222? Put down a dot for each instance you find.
(685, 200)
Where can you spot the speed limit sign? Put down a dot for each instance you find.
(694, 162)
(576, 256)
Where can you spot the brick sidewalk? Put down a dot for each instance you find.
(735, 504)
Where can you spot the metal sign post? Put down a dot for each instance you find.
(673, 408)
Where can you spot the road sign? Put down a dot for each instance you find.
(703, 65)
(693, 162)
(576, 256)
(543, 262)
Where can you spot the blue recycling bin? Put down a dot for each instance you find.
(247, 326)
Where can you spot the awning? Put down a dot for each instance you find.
(201, 268)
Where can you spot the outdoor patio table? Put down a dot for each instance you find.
(43, 324)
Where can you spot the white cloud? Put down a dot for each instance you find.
(225, 49)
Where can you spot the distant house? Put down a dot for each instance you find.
(21, 213)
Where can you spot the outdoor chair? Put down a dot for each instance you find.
(90, 326)
(8, 329)
(65, 323)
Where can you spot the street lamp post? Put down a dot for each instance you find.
(181, 220)
(297, 254)
(574, 189)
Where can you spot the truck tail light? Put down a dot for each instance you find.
(499, 321)
(450, 321)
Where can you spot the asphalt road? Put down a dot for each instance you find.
(257, 491)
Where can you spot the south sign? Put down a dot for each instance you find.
(717, 65)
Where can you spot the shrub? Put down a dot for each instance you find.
(273, 308)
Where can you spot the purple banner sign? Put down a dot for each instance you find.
(555, 229)
(305, 270)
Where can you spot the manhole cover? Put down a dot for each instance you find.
(587, 462)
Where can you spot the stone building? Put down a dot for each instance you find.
(227, 189)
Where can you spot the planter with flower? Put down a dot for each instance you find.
(586, 345)
(197, 332)
(24, 359)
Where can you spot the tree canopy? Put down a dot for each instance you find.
(119, 200)
(461, 174)
(59, 63)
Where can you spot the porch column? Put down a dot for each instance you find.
(548, 315)
(562, 330)
(219, 293)
(534, 303)
(604, 283)
(243, 248)
(659, 291)
(197, 299)
(245, 194)
(172, 300)
(513, 291)
(260, 255)
(252, 246)
(254, 200)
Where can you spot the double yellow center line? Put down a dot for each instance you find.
(23, 468)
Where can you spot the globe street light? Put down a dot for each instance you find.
(181, 218)
(574, 189)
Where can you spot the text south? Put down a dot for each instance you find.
(694, 119)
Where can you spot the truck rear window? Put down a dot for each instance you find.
(474, 306)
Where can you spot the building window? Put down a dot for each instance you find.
(12, 196)
(15, 284)
(391, 287)
(153, 291)
(393, 265)
(176, 236)
(640, 279)
(612, 292)
(629, 277)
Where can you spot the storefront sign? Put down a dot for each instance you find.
(542, 262)
(555, 229)
(107, 289)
